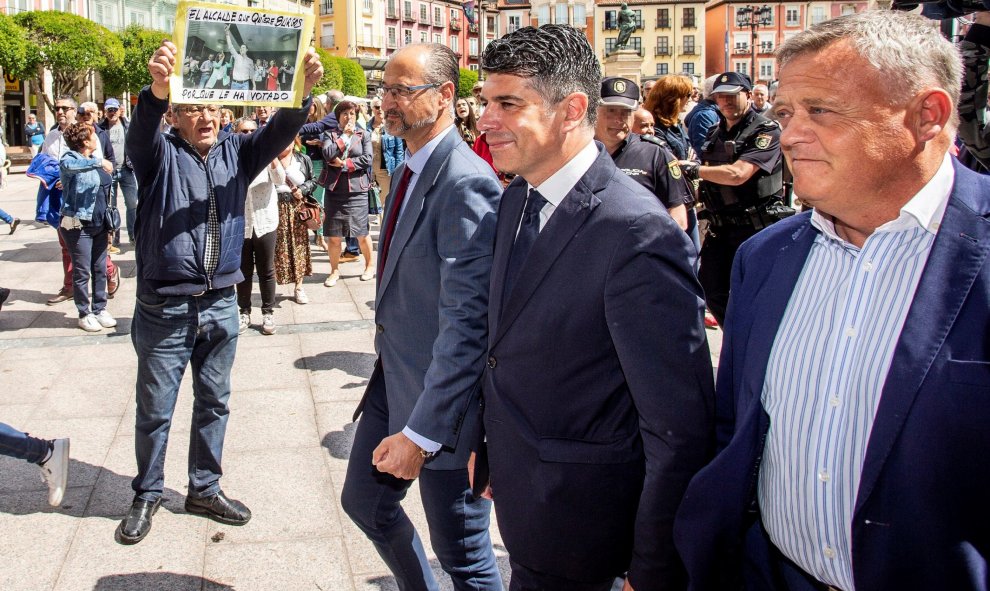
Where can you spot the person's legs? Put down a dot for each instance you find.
(247, 269)
(99, 271)
(161, 333)
(369, 262)
(128, 185)
(212, 357)
(264, 249)
(80, 246)
(525, 579)
(372, 500)
(114, 190)
(333, 249)
(6, 217)
(20, 445)
(66, 263)
(459, 529)
(352, 246)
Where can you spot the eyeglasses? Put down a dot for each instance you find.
(198, 109)
(397, 90)
(111, 110)
(66, 108)
(378, 108)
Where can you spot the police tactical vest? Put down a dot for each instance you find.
(758, 190)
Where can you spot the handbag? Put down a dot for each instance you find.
(310, 213)
(375, 199)
(111, 217)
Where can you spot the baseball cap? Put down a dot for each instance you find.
(732, 83)
(111, 103)
(620, 92)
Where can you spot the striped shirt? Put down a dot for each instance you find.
(825, 375)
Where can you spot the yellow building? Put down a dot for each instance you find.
(670, 34)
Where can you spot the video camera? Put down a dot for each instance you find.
(942, 9)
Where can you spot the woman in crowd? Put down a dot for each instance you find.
(272, 76)
(292, 255)
(260, 222)
(260, 75)
(226, 120)
(220, 67)
(84, 204)
(314, 149)
(467, 122)
(347, 158)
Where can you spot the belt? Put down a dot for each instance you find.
(245, 80)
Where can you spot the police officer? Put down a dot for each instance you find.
(643, 157)
(741, 184)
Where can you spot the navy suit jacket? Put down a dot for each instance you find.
(599, 389)
(922, 513)
(432, 301)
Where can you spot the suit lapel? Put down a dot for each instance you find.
(414, 205)
(509, 213)
(958, 252)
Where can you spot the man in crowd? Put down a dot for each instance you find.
(741, 184)
(243, 70)
(643, 157)
(854, 383)
(761, 103)
(190, 226)
(973, 129)
(643, 122)
(115, 126)
(420, 414)
(598, 392)
(34, 133)
(702, 117)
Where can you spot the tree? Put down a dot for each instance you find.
(468, 79)
(354, 84)
(332, 78)
(13, 54)
(131, 74)
(70, 47)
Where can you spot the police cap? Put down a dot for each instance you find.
(620, 92)
(732, 83)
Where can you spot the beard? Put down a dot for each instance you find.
(402, 126)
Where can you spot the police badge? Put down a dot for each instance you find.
(675, 170)
(763, 141)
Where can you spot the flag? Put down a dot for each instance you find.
(469, 11)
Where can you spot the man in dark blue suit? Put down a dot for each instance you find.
(598, 392)
(853, 393)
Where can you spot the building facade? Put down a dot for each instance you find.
(669, 34)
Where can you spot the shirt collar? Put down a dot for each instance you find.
(925, 210)
(560, 183)
(417, 162)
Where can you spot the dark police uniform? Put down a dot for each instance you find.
(737, 212)
(651, 164)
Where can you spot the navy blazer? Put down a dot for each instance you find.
(432, 301)
(599, 388)
(922, 513)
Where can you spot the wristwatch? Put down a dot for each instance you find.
(427, 454)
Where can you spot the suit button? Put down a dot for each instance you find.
(492, 362)
(379, 328)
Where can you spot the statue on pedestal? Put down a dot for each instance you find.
(627, 24)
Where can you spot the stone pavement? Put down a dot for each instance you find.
(287, 443)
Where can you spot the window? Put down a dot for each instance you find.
(136, 17)
(438, 38)
(473, 45)
(817, 14)
(663, 46)
(326, 7)
(688, 68)
(610, 20)
(422, 37)
(390, 9)
(688, 18)
(688, 44)
(514, 23)
(635, 43)
(491, 24)
(663, 18)
(580, 15)
(423, 17)
(741, 67)
(662, 69)
(473, 67)
(368, 36)
(407, 37)
(454, 43)
(407, 10)
(766, 42)
(368, 8)
(543, 15)
(740, 42)
(326, 36)
(560, 14)
(437, 16)
(792, 16)
(391, 37)
(848, 9)
(766, 69)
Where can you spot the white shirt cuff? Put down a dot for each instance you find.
(426, 444)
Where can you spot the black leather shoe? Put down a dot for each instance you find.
(137, 524)
(219, 508)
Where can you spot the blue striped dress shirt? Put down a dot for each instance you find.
(825, 375)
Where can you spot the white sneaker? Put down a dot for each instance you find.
(106, 320)
(89, 323)
(268, 323)
(245, 321)
(55, 471)
(331, 280)
(301, 297)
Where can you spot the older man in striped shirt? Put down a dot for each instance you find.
(854, 384)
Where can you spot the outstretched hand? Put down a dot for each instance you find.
(313, 68)
(161, 66)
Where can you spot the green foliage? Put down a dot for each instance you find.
(70, 47)
(14, 49)
(131, 74)
(354, 83)
(468, 80)
(332, 78)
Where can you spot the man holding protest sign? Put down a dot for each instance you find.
(189, 234)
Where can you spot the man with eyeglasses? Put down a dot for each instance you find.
(420, 413)
(115, 125)
(189, 235)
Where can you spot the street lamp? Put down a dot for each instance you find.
(753, 17)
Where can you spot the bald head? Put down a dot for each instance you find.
(643, 122)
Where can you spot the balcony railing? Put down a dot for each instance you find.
(607, 52)
(614, 26)
(424, 19)
(392, 43)
(663, 23)
(437, 22)
(741, 48)
(665, 50)
(689, 50)
(688, 23)
(455, 24)
(766, 47)
(408, 17)
(391, 12)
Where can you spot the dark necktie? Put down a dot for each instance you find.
(529, 229)
(397, 196)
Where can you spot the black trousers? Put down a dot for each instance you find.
(88, 248)
(717, 252)
(258, 251)
(525, 579)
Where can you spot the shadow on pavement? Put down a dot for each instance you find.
(359, 365)
(163, 581)
(338, 443)
(34, 252)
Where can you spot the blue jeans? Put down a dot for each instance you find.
(352, 246)
(88, 249)
(458, 522)
(240, 85)
(6, 217)
(168, 334)
(127, 183)
(22, 446)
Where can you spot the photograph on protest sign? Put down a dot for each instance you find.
(232, 55)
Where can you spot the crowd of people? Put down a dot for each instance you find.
(541, 293)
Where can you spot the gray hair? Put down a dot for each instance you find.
(67, 98)
(90, 106)
(709, 85)
(907, 51)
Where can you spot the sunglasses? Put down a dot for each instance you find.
(65, 108)
(111, 110)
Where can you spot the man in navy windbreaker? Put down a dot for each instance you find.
(189, 233)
